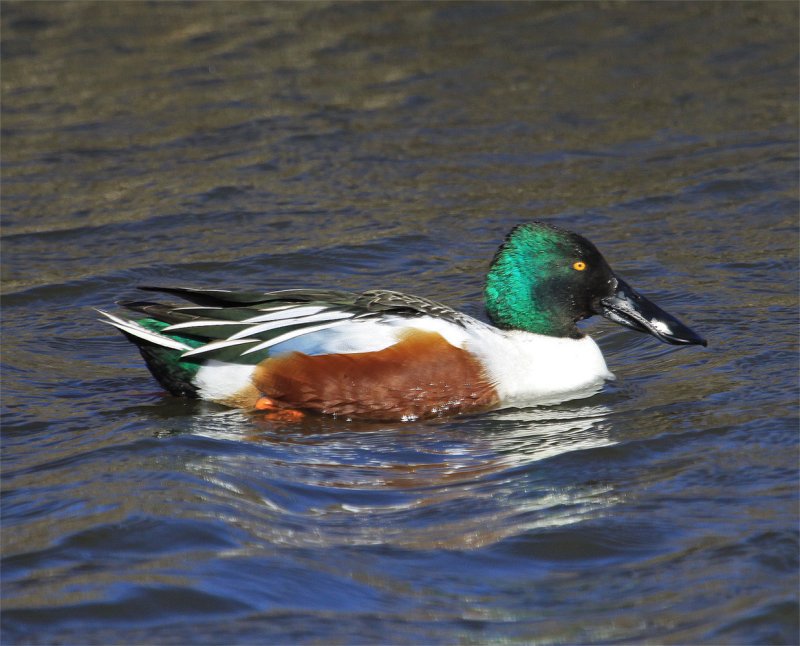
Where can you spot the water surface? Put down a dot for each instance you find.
(282, 145)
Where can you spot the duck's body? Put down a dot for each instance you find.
(385, 355)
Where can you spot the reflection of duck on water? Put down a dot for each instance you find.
(383, 355)
(432, 485)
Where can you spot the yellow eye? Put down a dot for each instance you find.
(579, 265)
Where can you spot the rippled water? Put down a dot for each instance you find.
(279, 145)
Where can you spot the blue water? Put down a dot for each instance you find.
(355, 146)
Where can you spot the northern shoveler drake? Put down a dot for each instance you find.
(383, 355)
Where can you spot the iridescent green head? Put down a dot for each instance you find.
(544, 279)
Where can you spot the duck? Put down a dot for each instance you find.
(382, 355)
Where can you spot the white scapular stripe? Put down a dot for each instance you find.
(290, 311)
(203, 323)
(280, 319)
(292, 335)
(191, 308)
(285, 322)
(216, 345)
(132, 327)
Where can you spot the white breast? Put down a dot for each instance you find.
(533, 368)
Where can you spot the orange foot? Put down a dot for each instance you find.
(276, 413)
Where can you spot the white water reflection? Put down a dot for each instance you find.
(460, 484)
(541, 433)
